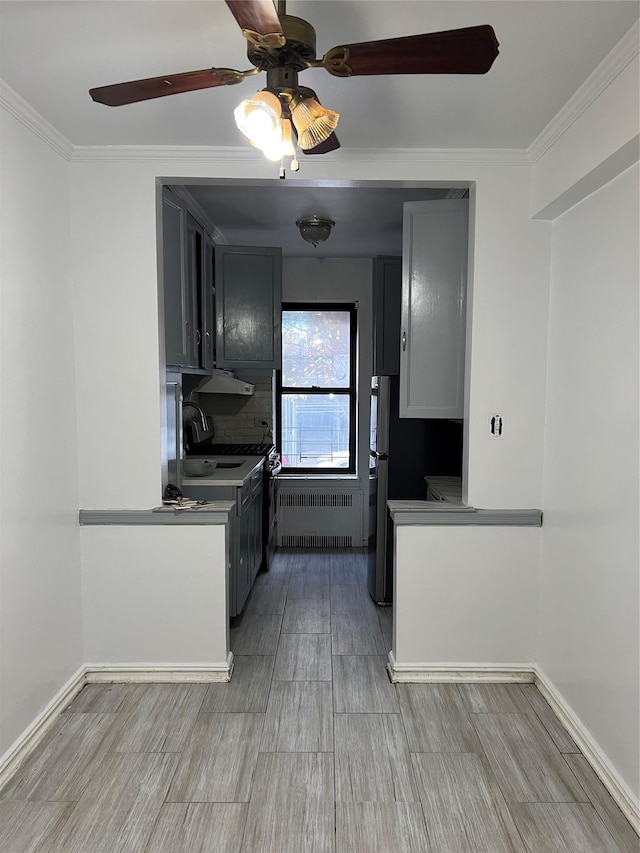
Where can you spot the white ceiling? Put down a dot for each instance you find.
(53, 52)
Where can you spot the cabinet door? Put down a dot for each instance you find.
(257, 534)
(434, 285)
(387, 298)
(194, 286)
(207, 306)
(248, 307)
(243, 564)
(179, 316)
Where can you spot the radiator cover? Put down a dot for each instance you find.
(311, 518)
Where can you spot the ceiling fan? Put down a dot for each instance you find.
(283, 45)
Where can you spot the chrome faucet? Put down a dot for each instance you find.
(203, 417)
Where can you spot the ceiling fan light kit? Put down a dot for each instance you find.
(313, 122)
(282, 46)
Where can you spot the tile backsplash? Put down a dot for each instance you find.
(237, 418)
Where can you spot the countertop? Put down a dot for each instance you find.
(447, 489)
(444, 513)
(215, 512)
(225, 476)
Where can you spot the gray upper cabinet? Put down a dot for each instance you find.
(434, 290)
(179, 305)
(207, 306)
(248, 307)
(188, 286)
(387, 298)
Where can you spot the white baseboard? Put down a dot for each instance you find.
(416, 673)
(160, 673)
(142, 672)
(601, 765)
(21, 748)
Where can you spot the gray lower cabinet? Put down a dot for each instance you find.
(248, 545)
(434, 291)
(248, 307)
(245, 533)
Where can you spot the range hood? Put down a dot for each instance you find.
(224, 382)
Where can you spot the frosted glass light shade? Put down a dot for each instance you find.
(259, 119)
(313, 122)
(315, 229)
(280, 142)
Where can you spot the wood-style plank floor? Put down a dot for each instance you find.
(309, 749)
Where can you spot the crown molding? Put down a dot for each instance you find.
(611, 66)
(20, 109)
(231, 156)
(246, 156)
(173, 153)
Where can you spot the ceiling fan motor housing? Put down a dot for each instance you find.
(298, 51)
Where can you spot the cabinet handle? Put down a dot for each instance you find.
(198, 337)
(404, 341)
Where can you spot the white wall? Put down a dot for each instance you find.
(599, 142)
(155, 595)
(40, 616)
(465, 596)
(114, 238)
(507, 354)
(589, 631)
(589, 627)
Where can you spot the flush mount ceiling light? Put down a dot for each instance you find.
(282, 46)
(315, 229)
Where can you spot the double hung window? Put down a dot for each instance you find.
(318, 388)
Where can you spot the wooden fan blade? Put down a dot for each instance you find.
(258, 21)
(466, 51)
(330, 144)
(158, 87)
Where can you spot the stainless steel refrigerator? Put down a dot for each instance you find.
(397, 467)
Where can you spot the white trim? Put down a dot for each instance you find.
(419, 673)
(606, 72)
(160, 673)
(177, 153)
(226, 155)
(96, 673)
(25, 113)
(604, 770)
(21, 748)
(230, 155)
(527, 672)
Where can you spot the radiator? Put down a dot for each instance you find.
(316, 519)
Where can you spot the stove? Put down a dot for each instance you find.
(239, 449)
(272, 468)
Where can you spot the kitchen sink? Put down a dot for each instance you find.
(218, 462)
